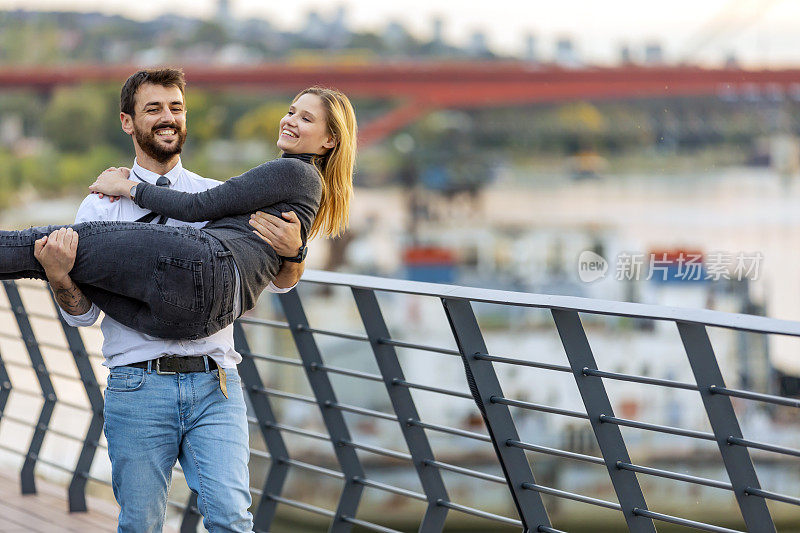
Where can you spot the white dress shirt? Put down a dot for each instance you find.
(121, 344)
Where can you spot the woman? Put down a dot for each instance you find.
(184, 283)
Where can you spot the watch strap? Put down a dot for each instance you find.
(300, 257)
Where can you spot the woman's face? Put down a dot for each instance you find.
(304, 129)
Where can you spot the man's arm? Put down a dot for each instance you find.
(288, 276)
(72, 300)
(284, 237)
(69, 297)
(56, 253)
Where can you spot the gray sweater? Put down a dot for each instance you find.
(290, 183)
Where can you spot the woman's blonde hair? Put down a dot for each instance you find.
(336, 166)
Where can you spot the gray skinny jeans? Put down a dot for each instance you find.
(173, 282)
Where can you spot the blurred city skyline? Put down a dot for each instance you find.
(756, 33)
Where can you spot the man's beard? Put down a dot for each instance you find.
(149, 145)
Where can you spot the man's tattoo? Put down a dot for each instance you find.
(72, 300)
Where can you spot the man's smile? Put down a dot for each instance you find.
(165, 133)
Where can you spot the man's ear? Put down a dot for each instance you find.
(127, 123)
(329, 143)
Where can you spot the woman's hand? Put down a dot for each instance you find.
(114, 183)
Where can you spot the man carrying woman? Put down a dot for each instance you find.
(165, 399)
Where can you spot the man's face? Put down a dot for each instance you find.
(159, 125)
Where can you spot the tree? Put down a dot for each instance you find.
(204, 117)
(262, 122)
(78, 118)
(211, 33)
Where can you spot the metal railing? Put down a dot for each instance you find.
(517, 458)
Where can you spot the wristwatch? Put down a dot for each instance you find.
(300, 257)
(133, 191)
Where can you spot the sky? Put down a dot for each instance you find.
(758, 32)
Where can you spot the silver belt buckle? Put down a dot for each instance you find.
(158, 369)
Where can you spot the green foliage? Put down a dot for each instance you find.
(581, 118)
(261, 123)
(205, 117)
(79, 118)
(24, 105)
(76, 171)
(52, 173)
(10, 179)
(30, 44)
(211, 33)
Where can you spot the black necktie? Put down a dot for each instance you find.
(162, 181)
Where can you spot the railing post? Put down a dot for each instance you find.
(77, 488)
(724, 424)
(191, 515)
(484, 385)
(609, 437)
(5, 387)
(403, 404)
(27, 479)
(262, 408)
(333, 419)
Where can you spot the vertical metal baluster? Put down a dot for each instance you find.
(262, 408)
(484, 385)
(77, 487)
(333, 419)
(191, 515)
(724, 424)
(5, 387)
(403, 403)
(27, 479)
(609, 437)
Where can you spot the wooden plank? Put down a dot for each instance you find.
(100, 511)
(18, 515)
(47, 511)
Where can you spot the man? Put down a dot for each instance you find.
(168, 400)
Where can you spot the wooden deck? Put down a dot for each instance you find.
(46, 512)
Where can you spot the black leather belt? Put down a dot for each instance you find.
(172, 364)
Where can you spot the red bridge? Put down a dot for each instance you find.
(419, 87)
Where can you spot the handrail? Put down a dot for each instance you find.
(736, 321)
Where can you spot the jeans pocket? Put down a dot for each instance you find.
(180, 282)
(121, 381)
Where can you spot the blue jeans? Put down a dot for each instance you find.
(152, 420)
(174, 282)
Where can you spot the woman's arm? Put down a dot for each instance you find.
(266, 184)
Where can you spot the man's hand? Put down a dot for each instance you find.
(56, 253)
(282, 235)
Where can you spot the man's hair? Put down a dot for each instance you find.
(166, 77)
